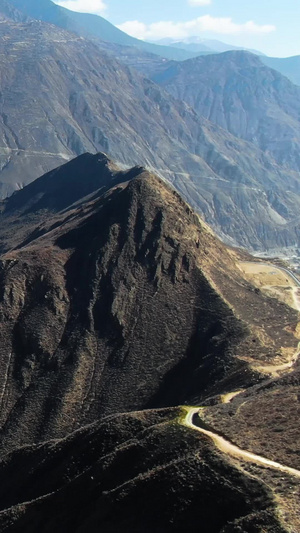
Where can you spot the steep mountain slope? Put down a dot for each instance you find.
(121, 301)
(239, 93)
(85, 101)
(92, 26)
(81, 100)
(132, 473)
(116, 300)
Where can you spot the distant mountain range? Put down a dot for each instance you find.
(288, 66)
(134, 52)
(198, 44)
(91, 26)
(87, 101)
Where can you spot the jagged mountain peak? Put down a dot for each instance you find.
(112, 308)
(67, 184)
(124, 286)
(85, 177)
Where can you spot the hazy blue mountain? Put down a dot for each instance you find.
(288, 66)
(197, 44)
(62, 96)
(194, 45)
(9, 11)
(219, 46)
(92, 26)
(237, 91)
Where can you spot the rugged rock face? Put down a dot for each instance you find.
(88, 101)
(121, 301)
(242, 95)
(116, 301)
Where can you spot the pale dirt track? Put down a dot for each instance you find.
(227, 398)
(230, 449)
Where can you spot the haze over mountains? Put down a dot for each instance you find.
(239, 93)
(197, 44)
(98, 104)
(90, 26)
(288, 66)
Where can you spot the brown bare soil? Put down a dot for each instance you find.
(272, 281)
(114, 298)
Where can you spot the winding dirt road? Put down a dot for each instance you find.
(230, 449)
(224, 445)
(227, 398)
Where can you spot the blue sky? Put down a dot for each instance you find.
(271, 26)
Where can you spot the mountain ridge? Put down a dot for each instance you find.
(98, 104)
(117, 303)
(198, 44)
(72, 281)
(91, 26)
(239, 93)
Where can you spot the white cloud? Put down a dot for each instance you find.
(135, 28)
(181, 30)
(84, 6)
(199, 2)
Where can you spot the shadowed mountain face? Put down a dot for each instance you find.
(242, 95)
(121, 301)
(131, 473)
(81, 100)
(117, 302)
